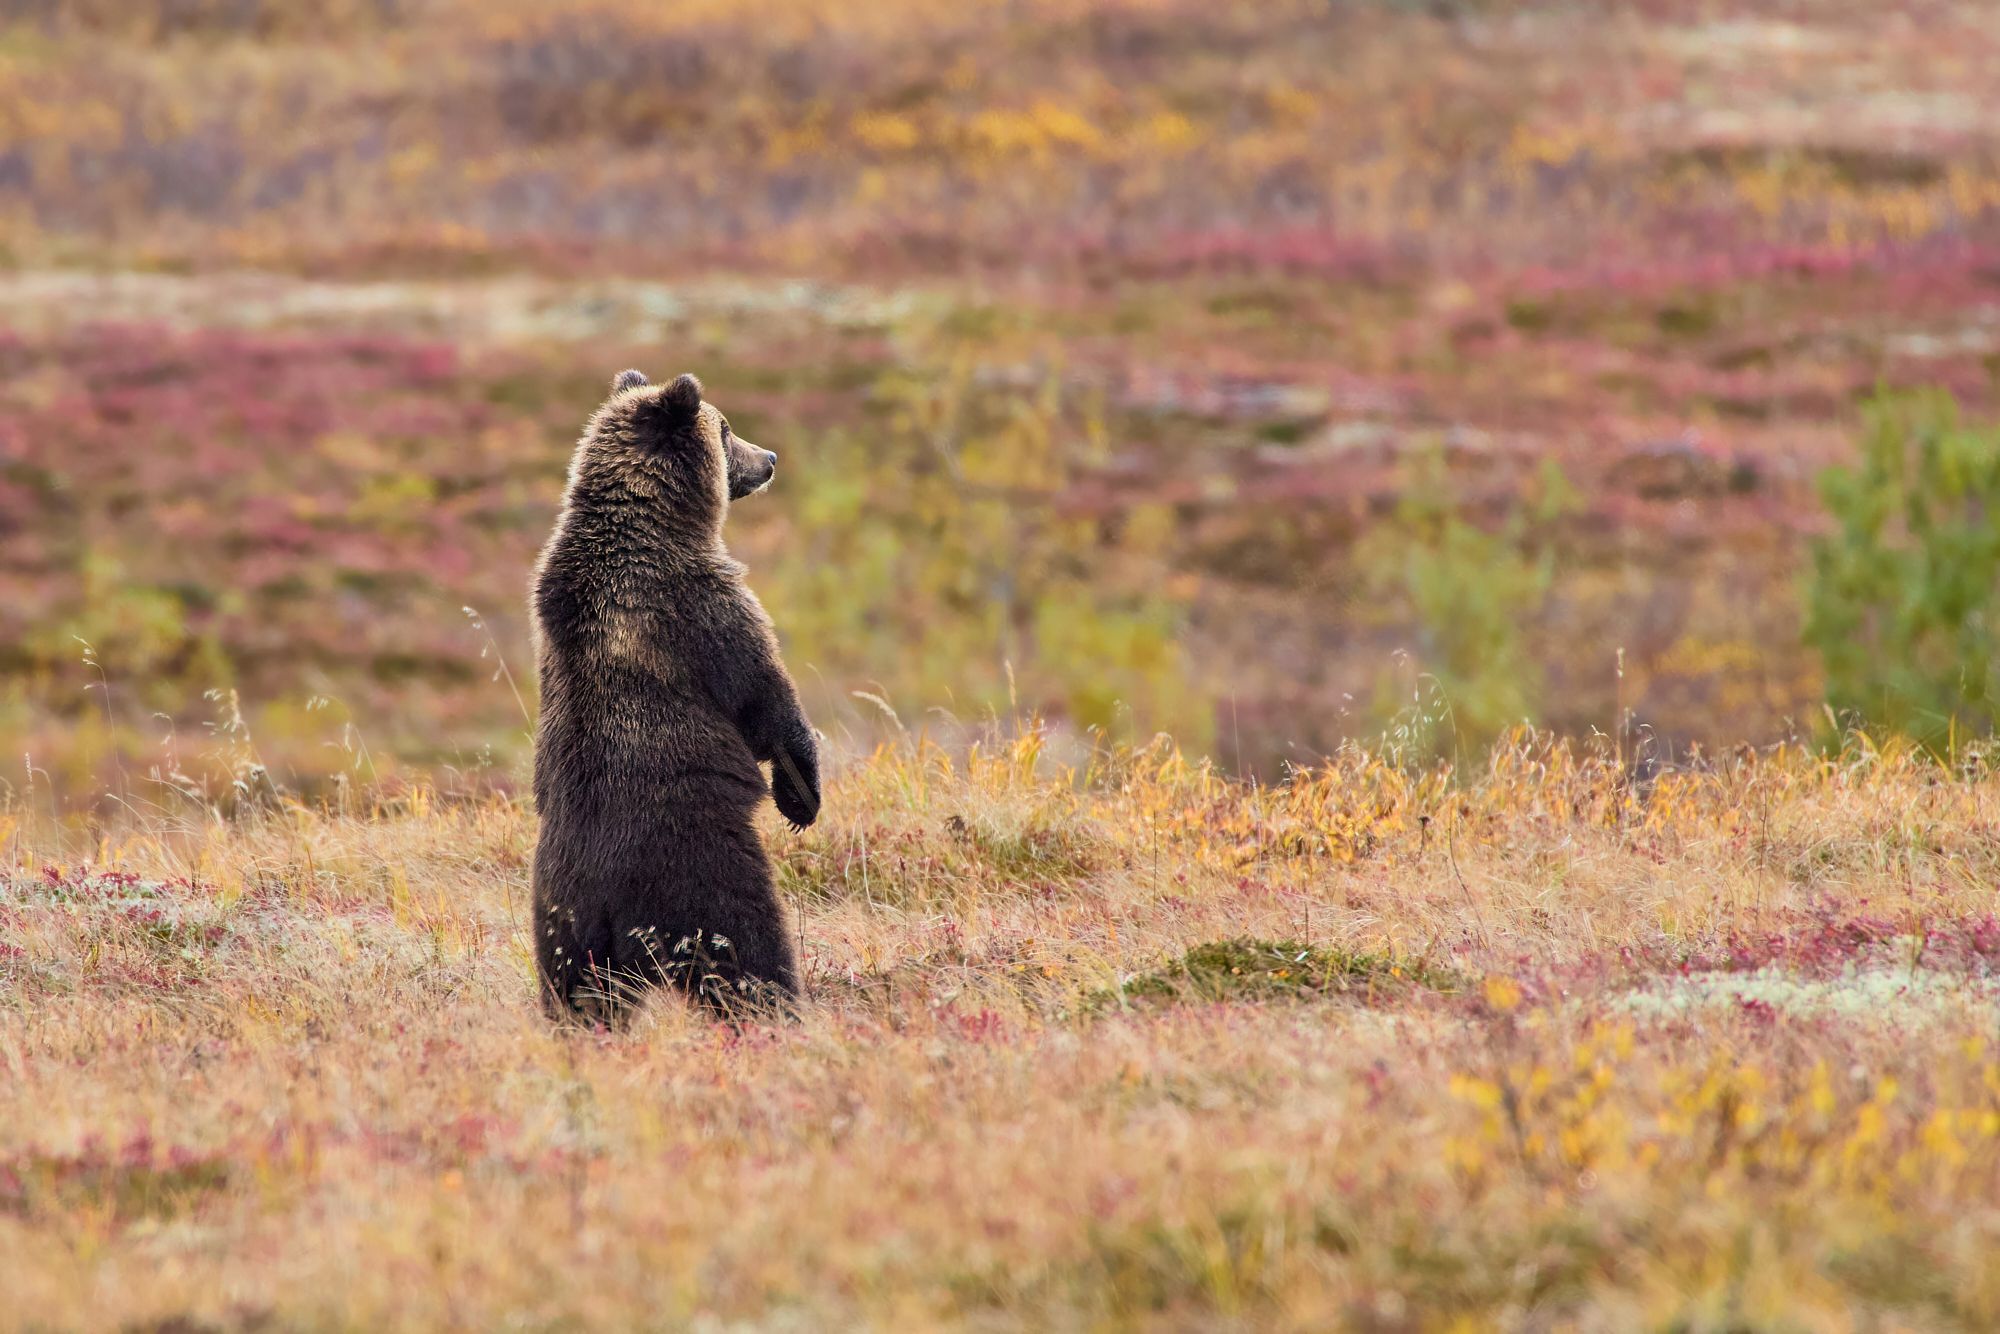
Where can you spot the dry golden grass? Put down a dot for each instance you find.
(1710, 1054)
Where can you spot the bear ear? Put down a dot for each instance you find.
(627, 380)
(683, 397)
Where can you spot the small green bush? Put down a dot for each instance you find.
(1902, 602)
(1472, 593)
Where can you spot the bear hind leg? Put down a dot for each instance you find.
(581, 980)
(751, 975)
(724, 965)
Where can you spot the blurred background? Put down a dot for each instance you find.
(1273, 374)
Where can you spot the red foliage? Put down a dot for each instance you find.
(281, 514)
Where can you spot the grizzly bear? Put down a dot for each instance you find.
(662, 691)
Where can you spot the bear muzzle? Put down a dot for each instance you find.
(751, 471)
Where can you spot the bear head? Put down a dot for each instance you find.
(662, 444)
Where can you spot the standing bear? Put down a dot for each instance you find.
(661, 691)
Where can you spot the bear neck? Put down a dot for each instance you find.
(636, 499)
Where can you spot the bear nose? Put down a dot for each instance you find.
(770, 461)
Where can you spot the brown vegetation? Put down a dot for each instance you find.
(290, 1072)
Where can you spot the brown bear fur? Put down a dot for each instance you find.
(661, 691)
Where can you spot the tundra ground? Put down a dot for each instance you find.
(1125, 1047)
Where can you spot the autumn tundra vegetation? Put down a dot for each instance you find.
(1399, 600)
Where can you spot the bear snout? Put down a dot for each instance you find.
(750, 470)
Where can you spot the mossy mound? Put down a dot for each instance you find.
(1246, 969)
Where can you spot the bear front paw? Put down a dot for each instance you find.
(796, 791)
(798, 811)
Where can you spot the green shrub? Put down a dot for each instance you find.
(1902, 598)
(1471, 593)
